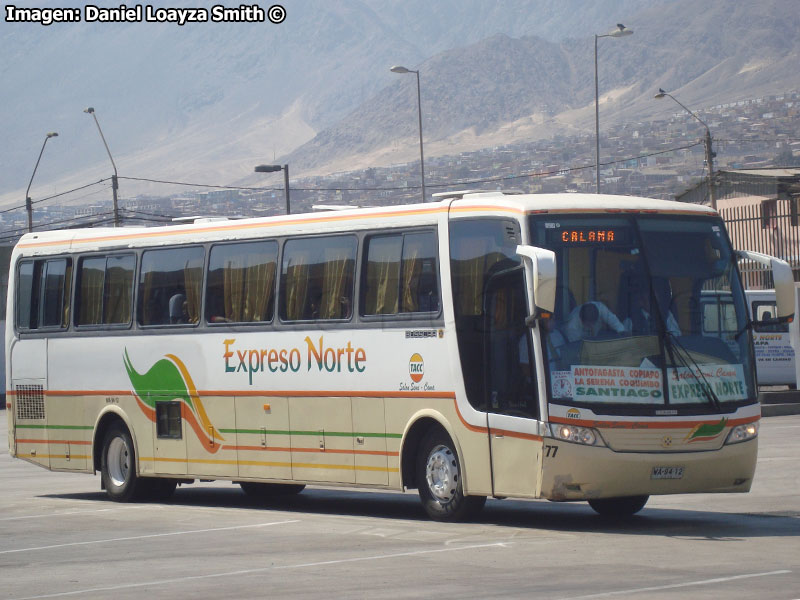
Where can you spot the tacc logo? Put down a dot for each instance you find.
(416, 368)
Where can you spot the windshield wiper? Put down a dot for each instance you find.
(671, 341)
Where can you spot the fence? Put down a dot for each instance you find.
(770, 227)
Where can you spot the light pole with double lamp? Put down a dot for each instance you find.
(398, 69)
(712, 193)
(28, 201)
(620, 31)
(273, 169)
(114, 182)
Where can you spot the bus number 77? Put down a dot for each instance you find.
(550, 451)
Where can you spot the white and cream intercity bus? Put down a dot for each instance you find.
(485, 344)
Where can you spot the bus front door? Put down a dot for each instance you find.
(510, 388)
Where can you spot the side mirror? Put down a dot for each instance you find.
(783, 279)
(541, 267)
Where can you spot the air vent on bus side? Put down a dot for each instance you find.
(30, 402)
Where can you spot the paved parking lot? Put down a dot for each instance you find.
(62, 538)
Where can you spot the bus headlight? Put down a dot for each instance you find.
(742, 433)
(578, 435)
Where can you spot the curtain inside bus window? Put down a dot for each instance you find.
(193, 276)
(90, 290)
(382, 280)
(335, 302)
(295, 285)
(233, 292)
(241, 282)
(420, 273)
(259, 289)
(118, 289)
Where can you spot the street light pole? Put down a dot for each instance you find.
(272, 169)
(712, 192)
(399, 69)
(620, 31)
(114, 182)
(28, 201)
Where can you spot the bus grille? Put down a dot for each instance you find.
(30, 402)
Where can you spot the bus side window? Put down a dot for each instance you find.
(241, 282)
(401, 274)
(170, 286)
(105, 290)
(43, 294)
(317, 278)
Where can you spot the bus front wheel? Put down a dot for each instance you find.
(618, 507)
(439, 480)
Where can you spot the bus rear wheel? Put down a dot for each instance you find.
(118, 465)
(618, 507)
(439, 480)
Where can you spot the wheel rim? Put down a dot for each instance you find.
(118, 461)
(441, 473)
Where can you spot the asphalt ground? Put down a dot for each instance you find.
(61, 538)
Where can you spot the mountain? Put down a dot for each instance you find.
(206, 102)
(505, 89)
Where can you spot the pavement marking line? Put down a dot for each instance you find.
(129, 586)
(678, 585)
(74, 512)
(398, 555)
(144, 537)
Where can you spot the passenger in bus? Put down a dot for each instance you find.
(555, 342)
(178, 309)
(591, 320)
(642, 320)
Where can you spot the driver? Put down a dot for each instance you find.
(590, 320)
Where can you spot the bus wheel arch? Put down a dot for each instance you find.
(418, 427)
(104, 422)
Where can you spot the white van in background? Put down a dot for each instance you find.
(776, 345)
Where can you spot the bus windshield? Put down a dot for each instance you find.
(650, 316)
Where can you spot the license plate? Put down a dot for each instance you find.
(666, 473)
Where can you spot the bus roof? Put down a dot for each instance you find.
(457, 204)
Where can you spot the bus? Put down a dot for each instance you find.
(480, 345)
(775, 343)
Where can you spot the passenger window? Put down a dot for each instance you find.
(105, 290)
(400, 274)
(43, 293)
(317, 278)
(170, 286)
(241, 283)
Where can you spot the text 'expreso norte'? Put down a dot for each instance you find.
(248, 13)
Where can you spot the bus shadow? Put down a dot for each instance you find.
(569, 517)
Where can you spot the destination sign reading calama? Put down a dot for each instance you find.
(589, 235)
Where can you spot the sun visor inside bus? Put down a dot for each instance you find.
(684, 254)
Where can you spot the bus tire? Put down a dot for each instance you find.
(439, 480)
(618, 507)
(268, 490)
(118, 465)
